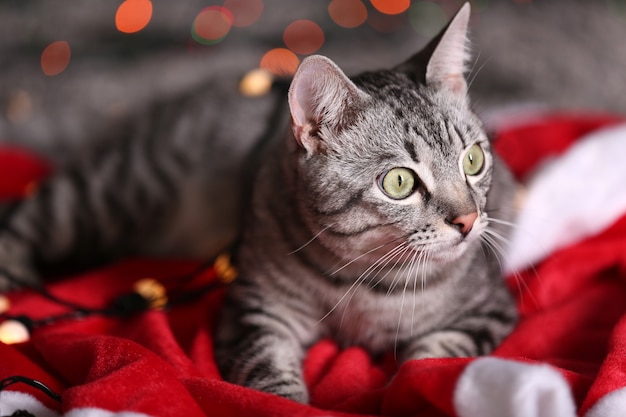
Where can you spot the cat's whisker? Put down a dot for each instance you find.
(379, 264)
(407, 279)
(392, 286)
(418, 260)
(360, 279)
(397, 277)
(401, 253)
(475, 74)
(365, 254)
(492, 244)
(499, 252)
(504, 222)
(422, 260)
(311, 240)
(507, 241)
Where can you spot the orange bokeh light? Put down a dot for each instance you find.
(55, 58)
(347, 13)
(280, 61)
(245, 12)
(133, 15)
(303, 37)
(391, 6)
(212, 24)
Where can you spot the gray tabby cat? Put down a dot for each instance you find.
(369, 222)
(366, 224)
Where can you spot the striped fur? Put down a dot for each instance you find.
(159, 183)
(325, 253)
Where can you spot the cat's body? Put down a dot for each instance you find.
(146, 187)
(351, 256)
(366, 221)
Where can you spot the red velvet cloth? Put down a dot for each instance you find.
(160, 363)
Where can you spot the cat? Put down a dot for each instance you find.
(370, 217)
(366, 223)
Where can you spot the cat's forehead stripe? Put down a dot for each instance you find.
(422, 135)
(410, 148)
(454, 131)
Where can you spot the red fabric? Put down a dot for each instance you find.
(20, 171)
(525, 146)
(160, 363)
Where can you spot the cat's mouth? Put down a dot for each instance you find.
(444, 248)
(445, 254)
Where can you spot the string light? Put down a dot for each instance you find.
(212, 25)
(347, 13)
(153, 291)
(245, 12)
(224, 268)
(256, 83)
(7, 382)
(427, 18)
(14, 331)
(280, 61)
(391, 6)
(55, 58)
(148, 294)
(303, 37)
(133, 15)
(19, 107)
(5, 304)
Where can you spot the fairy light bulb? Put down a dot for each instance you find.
(153, 291)
(256, 83)
(13, 331)
(5, 304)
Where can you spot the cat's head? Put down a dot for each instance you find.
(393, 156)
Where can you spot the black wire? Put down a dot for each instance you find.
(123, 306)
(42, 291)
(30, 382)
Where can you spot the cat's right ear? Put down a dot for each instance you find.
(442, 63)
(322, 99)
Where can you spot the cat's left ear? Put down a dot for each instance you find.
(442, 63)
(321, 99)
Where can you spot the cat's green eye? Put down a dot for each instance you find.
(398, 183)
(473, 160)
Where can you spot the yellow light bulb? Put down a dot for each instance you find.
(256, 83)
(5, 304)
(13, 331)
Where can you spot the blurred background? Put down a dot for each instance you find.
(69, 67)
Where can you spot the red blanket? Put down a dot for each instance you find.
(566, 357)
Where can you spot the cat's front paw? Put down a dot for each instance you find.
(15, 268)
(294, 390)
(283, 378)
(287, 384)
(442, 344)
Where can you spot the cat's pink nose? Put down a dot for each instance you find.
(465, 222)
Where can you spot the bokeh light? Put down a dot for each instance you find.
(55, 58)
(211, 25)
(5, 304)
(13, 331)
(303, 37)
(256, 83)
(280, 61)
(391, 6)
(386, 23)
(347, 13)
(245, 12)
(19, 106)
(427, 18)
(133, 15)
